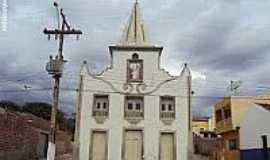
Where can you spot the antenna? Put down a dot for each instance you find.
(234, 86)
(55, 4)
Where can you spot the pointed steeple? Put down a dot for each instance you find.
(135, 32)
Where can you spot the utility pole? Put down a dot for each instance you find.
(55, 68)
(191, 144)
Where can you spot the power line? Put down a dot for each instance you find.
(121, 82)
(113, 92)
(206, 85)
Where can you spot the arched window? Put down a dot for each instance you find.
(135, 56)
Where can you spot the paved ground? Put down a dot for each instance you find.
(198, 157)
(193, 157)
(64, 157)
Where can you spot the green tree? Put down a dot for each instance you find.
(39, 109)
(9, 105)
(43, 110)
(71, 124)
(61, 120)
(71, 127)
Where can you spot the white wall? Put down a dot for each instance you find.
(111, 82)
(255, 123)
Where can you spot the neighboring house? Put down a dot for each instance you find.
(203, 123)
(24, 136)
(255, 133)
(200, 124)
(242, 123)
(133, 110)
(212, 123)
(204, 127)
(206, 145)
(204, 135)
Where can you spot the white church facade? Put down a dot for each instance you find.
(133, 110)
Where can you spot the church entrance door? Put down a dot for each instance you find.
(133, 145)
(99, 146)
(167, 146)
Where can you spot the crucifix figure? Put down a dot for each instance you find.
(135, 71)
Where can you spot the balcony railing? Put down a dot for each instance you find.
(167, 115)
(100, 113)
(133, 117)
(133, 114)
(100, 116)
(224, 125)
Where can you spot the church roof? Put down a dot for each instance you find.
(135, 33)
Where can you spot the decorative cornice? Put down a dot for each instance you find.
(136, 48)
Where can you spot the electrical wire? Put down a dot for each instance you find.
(118, 81)
(113, 92)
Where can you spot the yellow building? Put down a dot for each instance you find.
(204, 125)
(200, 124)
(212, 123)
(203, 129)
(231, 115)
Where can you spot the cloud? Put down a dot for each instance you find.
(221, 41)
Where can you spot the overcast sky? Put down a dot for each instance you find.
(222, 40)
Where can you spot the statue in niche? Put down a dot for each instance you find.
(135, 69)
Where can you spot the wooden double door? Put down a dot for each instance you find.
(99, 146)
(167, 147)
(133, 145)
